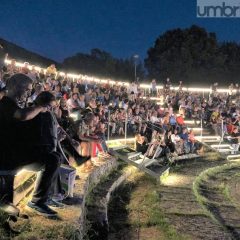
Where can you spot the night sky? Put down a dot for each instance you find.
(61, 28)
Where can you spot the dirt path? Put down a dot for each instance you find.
(181, 205)
(218, 189)
(188, 205)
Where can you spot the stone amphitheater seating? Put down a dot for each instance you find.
(15, 185)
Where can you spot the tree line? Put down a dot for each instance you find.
(194, 56)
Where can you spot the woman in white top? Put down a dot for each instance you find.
(73, 103)
(176, 140)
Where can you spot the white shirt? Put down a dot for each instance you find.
(133, 88)
(154, 119)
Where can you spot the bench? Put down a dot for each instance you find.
(15, 185)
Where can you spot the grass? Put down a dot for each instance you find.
(63, 231)
(141, 203)
(38, 230)
(90, 198)
(202, 180)
(3, 218)
(157, 217)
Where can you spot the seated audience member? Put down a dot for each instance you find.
(38, 89)
(33, 74)
(185, 139)
(192, 141)
(91, 106)
(176, 140)
(100, 132)
(169, 143)
(25, 69)
(87, 141)
(180, 121)
(113, 122)
(82, 101)
(13, 154)
(51, 70)
(172, 121)
(47, 87)
(73, 103)
(88, 95)
(57, 92)
(158, 146)
(12, 68)
(235, 136)
(141, 144)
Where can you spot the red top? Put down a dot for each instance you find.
(180, 120)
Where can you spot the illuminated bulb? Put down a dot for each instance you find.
(37, 68)
(196, 129)
(121, 140)
(144, 86)
(7, 61)
(221, 146)
(209, 137)
(225, 150)
(189, 121)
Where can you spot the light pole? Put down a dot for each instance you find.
(135, 66)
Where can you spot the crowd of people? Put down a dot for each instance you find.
(47, 118)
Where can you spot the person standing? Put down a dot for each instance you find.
(154, 88)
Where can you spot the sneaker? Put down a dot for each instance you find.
(73, 200)
(58, 197)
(41, 209)
(55, 204)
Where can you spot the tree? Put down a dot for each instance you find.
(102, 64)
(191, 55)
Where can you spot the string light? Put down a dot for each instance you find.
(143, 86)
(221, 146)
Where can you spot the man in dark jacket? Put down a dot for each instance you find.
(14, 153)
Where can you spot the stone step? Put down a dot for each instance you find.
(21, 182)
(24, 188)
(22, 177)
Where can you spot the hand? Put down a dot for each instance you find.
(98, 141)
(75, 143)
(43, 109)
(62, 137)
